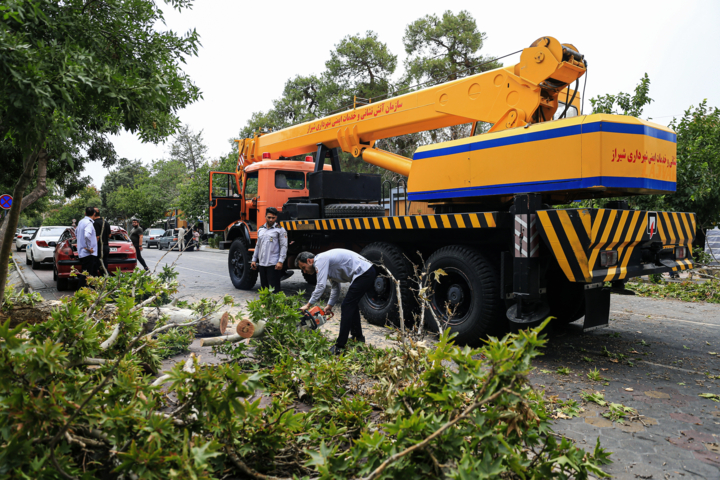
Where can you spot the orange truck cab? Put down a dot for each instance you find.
(252, 189)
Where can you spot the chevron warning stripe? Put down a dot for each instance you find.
(577, 236)
(409, 222)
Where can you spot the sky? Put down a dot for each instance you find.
(249, 50)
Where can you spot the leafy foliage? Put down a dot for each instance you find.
(688, 291)
(397, 413)
(624, 103)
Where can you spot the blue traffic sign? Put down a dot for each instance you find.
(6, 201)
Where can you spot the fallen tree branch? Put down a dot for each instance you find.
(112, 338)
(376, 473)
(209, 342)
(247, 470)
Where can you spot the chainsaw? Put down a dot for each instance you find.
(314, 318)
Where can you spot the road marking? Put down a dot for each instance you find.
(667, 318)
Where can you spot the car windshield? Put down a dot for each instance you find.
(29, 230)
(51, 231)
(156, 231)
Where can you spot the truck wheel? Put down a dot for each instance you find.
(241, 275)
(380, 304)
(566, 298)
(344, 210)
(471, 287)
(310, 279)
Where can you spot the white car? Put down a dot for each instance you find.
(23, 238)
(41, 248)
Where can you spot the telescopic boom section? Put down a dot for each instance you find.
(506, 97)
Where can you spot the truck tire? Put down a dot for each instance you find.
(241, 275)
(310, 279)
(566, 298)
(380, 305)
(350, 210)
(472, 284)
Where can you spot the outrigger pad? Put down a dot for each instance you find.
(597, 308)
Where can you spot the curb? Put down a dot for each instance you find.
(18, 268)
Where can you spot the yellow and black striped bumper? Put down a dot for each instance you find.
(577, 236)
(408, 222)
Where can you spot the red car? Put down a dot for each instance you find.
(122, 255)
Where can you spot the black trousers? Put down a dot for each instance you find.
(140, 259)
(350, 311)
(269, 277)
(88, 264)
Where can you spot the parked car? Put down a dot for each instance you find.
(42, 245)
(122, 255)
(151, 236)
(169, 241)
(23, 238)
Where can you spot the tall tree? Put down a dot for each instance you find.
(75, 208)
(76, 71)
(360, 66)
(698, 168)
(123, 176)
(442, 49)
(188, 147)
(445, 48)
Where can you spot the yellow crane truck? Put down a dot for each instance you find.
(508, 254)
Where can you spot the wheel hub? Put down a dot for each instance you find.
(380, 284)
(455, 294)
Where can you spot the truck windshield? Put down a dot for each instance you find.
(289, 180)
(251, 184)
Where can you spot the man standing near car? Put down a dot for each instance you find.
(340, 266)
(87, 244)
(270, 251)
(181, 239)
(102, 230)
(136, 236)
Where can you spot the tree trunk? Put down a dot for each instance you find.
(11, 222)
(214, 325)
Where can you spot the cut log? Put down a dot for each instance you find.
(248, 329)
(213, 326)
(30, 314)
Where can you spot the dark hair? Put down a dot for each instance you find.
(303, 257)
(271, 210)
(89, 211)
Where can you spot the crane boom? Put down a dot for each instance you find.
(506, 97)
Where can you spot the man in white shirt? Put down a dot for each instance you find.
(270, 251)
(181, 239)
(340, 266)
(87, 244)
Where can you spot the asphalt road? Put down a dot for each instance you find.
(656, 356)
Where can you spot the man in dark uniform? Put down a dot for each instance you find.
(270, 251)
(102, 229)
(136, 236)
